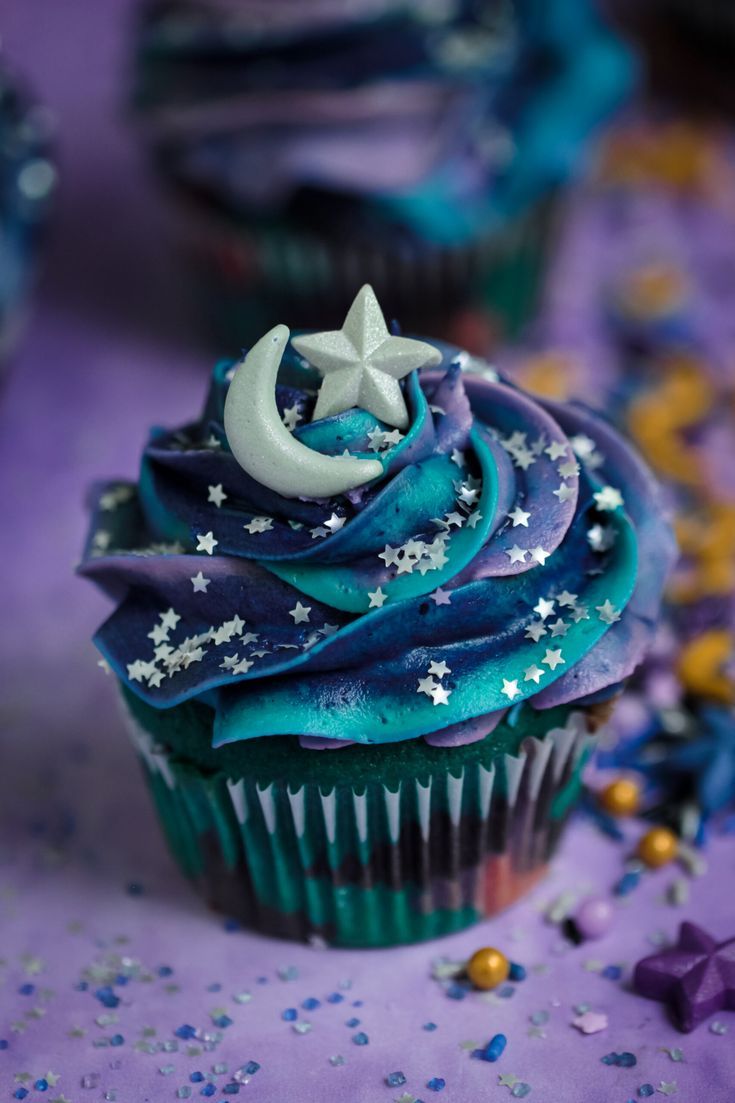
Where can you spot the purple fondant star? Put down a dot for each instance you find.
(696, 977)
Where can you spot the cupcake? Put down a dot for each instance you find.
(371, 607)
(27, 184)
(309, 147)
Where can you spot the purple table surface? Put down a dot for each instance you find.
(87, 888)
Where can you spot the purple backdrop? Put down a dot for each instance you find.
(87, 890)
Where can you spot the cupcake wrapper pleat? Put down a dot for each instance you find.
(370, 865)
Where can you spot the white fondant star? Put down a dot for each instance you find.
(300, 613)
(377, 597)
(216, 494)
(552, 658)
(519, 517)
(440, 695)
(516, 554)
(200, 583)
(608, 498)
(510, 688)
(362, 363)
(439, 669)
(206, 542)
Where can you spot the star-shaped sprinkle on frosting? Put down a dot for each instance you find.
(510, 688)
(608, 498)
(533, 673)
(519, 517)
(300, 613)
(607, 612)
(200, 583)
(556, 450)
(258, 524)
(440, 695)
(362, 363)
(552, 658)
(441, 597)
(206, 542)
(439, 669)
(377, 598)
(216, 494)
(516, 554)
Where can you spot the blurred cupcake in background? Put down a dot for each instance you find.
(417, 146)
(27, 183)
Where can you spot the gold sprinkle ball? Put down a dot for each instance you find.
(657, 847)
(621, 797)
(487, 968)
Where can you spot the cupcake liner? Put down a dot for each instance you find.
(251, 277)
(370, 865)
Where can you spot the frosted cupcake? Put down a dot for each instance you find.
(371, 606)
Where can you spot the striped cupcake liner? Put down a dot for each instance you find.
(252, 276)
(370, 865)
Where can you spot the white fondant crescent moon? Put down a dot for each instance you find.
(264, 447)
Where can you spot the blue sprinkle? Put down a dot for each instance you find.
(251, 1068)
(262, 980)
(208, 1089)
(311, 1004)
(164, 970)
(352, 1023)
(627, 883)
(429, 1026)
(627, 1060)
(357, 1003)
(336, 997)
(27, 989)
(289, 1014)
(81, 986)
(214, 987)
(520, 1090)
(231, 1089)
(107, 997)
(457, 991)
(610, 1059)
(495, 1047)
(3, 1043)
(197, 1077)
(516, 972)
(360, 1039)
(20, 1093)
(506, 992)
(121, 979)
(185, 1031)
(223, 1021)
(612, 972)
(646, 1090)
(395, 1079)
(41, 1085)
(117, 1040)
(436, 1084)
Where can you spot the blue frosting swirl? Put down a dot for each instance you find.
(512, 550)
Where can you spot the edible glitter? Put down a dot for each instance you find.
(352, 1023)
(208, 1089)
(717, 1027)
(335, 997)
(336, 1061)
(436, 1084)
(360, 1039)
(646, 1090)
(289, 1014)
(516, 972)
(184, 1092)
(429, 1026)
(520, 1090)
(395, 1079)
(301, 1028)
